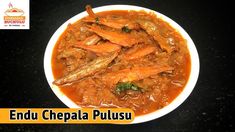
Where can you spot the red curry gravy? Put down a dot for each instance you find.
(92, 91)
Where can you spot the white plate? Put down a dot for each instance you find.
(139, 119)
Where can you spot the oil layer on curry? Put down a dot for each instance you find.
(121, 59)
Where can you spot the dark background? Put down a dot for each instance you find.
(210, 106)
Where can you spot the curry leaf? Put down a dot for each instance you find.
(120, 87)
(126, 29)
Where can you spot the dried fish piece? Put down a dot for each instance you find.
(86, 70)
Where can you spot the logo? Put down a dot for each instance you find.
(14, 15)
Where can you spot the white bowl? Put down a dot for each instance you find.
(139, 119)
(14, 13)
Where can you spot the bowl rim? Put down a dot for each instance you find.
(194, 73)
